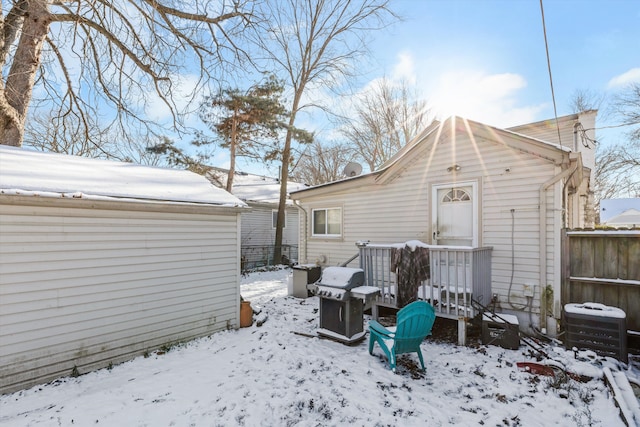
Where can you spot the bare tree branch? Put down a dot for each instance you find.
(314, 43)
(626, 106)
(617, 173)
(120, 54)
(320, 163)
(384, 118)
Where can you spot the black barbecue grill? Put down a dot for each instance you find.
(342, 298)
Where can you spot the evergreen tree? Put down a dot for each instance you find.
(249, 123)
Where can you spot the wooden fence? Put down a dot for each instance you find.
(604, 267)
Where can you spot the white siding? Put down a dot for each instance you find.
(571, 137)
(87, 287)
(401, 210)
(257, 226)
(548, 131)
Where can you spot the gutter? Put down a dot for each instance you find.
(302, 239)
(543, 235)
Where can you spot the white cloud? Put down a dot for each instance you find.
(475, 95)
(404, 69)
(493, 99)
(631, 76)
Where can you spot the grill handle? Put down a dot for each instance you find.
(340, 313)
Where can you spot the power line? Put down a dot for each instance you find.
(553, 96)
(613, 126)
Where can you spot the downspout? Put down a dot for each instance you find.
(302, 239)
(543, 237)
(576, 126)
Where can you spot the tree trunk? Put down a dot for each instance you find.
(232, 151)
(282, 204)
(21, 77)
(284, 178)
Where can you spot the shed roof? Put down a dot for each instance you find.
(254, 188)
(25, 172)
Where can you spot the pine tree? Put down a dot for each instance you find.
(249, 123)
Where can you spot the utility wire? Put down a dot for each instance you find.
(553, 96)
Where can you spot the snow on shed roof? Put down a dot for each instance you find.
(58, 175)
(265, 191)
(255, 188)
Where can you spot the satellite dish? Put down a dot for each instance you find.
(352, 169)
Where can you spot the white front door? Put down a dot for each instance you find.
(455, 214)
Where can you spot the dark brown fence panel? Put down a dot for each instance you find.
(603, 267)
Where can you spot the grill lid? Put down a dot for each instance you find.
(342, 277)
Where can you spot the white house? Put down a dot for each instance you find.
(627, 219)
(466, 184)
(262, 194)
(102, 261)
(620, 212)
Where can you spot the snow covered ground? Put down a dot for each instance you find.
(271, 376)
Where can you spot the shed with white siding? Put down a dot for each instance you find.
(463, 183)
(102, 261)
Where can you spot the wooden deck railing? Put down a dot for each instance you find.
(458, 274)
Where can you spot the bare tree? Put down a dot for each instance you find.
(626, 106)
(385, 117)
(321, 163)
(585, 100)
(617, 172)
(120, 53)
(618, 166)
(48, 132)
(313, 43)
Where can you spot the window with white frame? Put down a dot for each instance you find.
(326, 222)
(274, 218)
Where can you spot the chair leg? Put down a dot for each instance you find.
(371, 343)
(421, 359)
(392, 361)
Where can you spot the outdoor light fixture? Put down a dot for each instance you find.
(454, 168)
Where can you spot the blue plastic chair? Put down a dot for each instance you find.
(414, 323)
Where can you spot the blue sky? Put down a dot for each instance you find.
(486, 60)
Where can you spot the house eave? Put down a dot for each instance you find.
(550, 122)
(332, 187)
(268, 204)
(117, 204)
